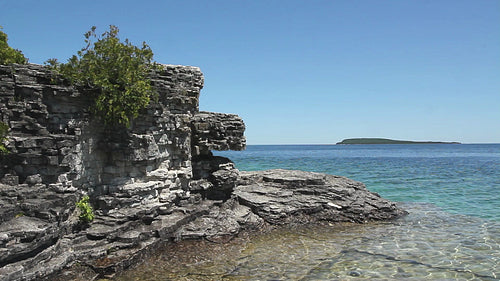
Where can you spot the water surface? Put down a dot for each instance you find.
(462, 179)
(452, 232)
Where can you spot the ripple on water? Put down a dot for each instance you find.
(427, 244)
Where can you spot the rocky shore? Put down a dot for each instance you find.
(154, 182)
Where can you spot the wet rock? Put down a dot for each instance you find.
(354, 273)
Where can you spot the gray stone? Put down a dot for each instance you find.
(226, 220)
(10, 179)
(33, 179)
(283, 196)
(217, 131)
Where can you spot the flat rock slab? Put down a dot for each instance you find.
(282, 196)
(32, 247)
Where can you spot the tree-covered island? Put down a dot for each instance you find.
(388, 141)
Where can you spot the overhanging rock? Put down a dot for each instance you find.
(217, 131)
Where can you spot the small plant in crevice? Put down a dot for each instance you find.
(4, 130)
(86, 211)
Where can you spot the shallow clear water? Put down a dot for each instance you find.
(452, 231)
(428, 244)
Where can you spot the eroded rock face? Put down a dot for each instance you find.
(217, 131)
(138, 179)
(153, 182)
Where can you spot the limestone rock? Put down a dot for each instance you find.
(217, 131)
(282, 196)
(225, 220)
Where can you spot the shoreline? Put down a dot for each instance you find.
(180, 256)
(261, 203)
(252, 254)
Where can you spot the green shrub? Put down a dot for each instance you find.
(118, 72)
(86, 211)
(9, 55)
(4, 130)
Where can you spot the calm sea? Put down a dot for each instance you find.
(462, 179)
(452, 232)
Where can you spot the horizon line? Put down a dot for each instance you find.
(360, 144)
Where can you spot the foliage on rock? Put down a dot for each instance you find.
(8, 54)
(4, 130)
(116, 70)
(86, 211)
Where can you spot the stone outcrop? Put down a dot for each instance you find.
(153, 182)
(282, 196)
(217, 131)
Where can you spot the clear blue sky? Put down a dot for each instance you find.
(305, 71)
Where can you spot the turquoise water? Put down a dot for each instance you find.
(463, 179)
(452, 231)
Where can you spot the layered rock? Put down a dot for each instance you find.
(278, 197)
(153, 182)
(138, 179)
(217, 131)
(282, 196)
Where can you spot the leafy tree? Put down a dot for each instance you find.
(9, 55)
(116, 70)
(4, 130)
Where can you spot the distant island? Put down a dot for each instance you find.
(389, 141)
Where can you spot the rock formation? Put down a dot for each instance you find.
(153, 182)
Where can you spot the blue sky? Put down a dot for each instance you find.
(306, 72)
